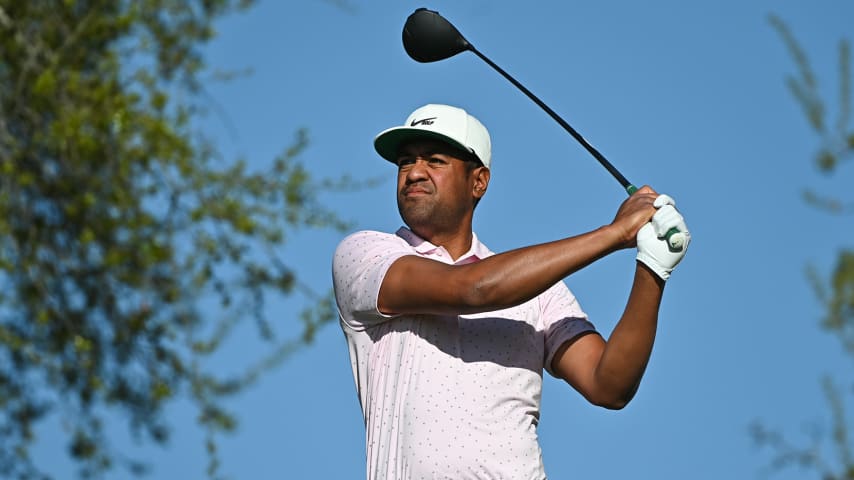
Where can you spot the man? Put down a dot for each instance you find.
(448, 341)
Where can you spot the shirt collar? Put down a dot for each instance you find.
(478, 250)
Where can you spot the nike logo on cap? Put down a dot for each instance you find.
(423, 121)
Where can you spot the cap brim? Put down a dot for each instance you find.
(388, 142)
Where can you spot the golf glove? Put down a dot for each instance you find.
(654, 250)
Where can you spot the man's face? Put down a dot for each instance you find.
(436, 189)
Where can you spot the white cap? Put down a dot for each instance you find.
(440, 122)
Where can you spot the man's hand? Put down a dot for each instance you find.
(635, 212)
(653, 248)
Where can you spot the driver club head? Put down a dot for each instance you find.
(428, 37)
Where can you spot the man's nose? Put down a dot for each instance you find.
(417, 170)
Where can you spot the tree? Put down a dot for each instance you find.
(836, 289)
(120, 222)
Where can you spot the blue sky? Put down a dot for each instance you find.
(688, 97)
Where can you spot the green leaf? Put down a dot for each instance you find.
(45, 83)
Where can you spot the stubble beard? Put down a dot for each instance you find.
(425, 217)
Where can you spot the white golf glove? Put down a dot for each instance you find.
(654, 250)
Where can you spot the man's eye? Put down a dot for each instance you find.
(436, 160)
(405, 161)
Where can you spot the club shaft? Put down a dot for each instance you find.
(584, 143)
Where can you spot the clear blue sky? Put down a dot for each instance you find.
(688, 97)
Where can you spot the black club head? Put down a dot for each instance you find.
(428, 37)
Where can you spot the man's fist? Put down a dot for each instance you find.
(654, 249)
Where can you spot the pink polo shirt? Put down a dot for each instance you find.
(451, 397)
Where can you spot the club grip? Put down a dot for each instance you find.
(675, 238)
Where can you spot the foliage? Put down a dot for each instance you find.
(813, 457)
(836, 136)
(836, 293)
(129, 249)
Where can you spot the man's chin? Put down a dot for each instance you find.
(416, 219)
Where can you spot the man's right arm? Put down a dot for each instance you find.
(415, 285)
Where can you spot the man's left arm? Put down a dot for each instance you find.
(608, 373)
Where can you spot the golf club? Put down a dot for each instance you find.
(429, 37)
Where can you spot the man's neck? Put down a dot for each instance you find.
(456, 243)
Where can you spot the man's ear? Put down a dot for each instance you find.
(481, 182)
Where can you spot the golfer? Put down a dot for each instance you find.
(448, 340)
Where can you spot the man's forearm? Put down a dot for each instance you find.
(500, 281)
(513, 277)
(628, 349)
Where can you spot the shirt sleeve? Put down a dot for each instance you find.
(358, 269)
(563, 320)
